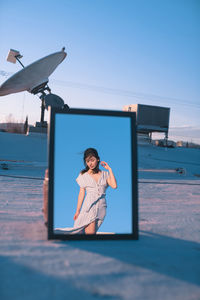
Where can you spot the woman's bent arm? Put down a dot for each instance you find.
(80, 201)
(111, 179)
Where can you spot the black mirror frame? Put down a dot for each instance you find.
(51, 138)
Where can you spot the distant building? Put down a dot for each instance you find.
(39, 128)
(162, 143)
(182, 144)
(150, 118)
(11, 127)
(187, 144)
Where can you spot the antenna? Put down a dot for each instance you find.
(34, 79)
(14, 55)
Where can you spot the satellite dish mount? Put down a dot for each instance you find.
(34, 79)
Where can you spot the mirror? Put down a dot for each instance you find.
(113, 211)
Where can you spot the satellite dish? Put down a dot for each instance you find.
(53, 101)
(34, 77)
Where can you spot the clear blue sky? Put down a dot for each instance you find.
(119, 52)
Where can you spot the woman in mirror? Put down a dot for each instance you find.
(91, 206)
(93, 182)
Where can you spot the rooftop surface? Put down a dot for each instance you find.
(162, 264)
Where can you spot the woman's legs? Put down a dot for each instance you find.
(91, 228)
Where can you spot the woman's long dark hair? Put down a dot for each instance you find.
(89, 153)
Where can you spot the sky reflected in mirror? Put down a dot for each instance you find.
(110, 135)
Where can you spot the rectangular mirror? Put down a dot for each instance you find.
(101, 202)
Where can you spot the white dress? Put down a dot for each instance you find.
(94, 204)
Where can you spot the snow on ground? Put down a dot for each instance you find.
(163, 264)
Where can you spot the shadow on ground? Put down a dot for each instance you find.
(20, 281)
(165, 255)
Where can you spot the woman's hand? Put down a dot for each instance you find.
(76, 214)
(105, 165)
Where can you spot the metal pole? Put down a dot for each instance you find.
(42, 111)
(19, 60)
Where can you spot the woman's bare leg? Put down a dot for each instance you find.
(91, 228)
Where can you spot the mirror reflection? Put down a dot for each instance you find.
(92, 175)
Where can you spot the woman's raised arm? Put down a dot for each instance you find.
(111, 179)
